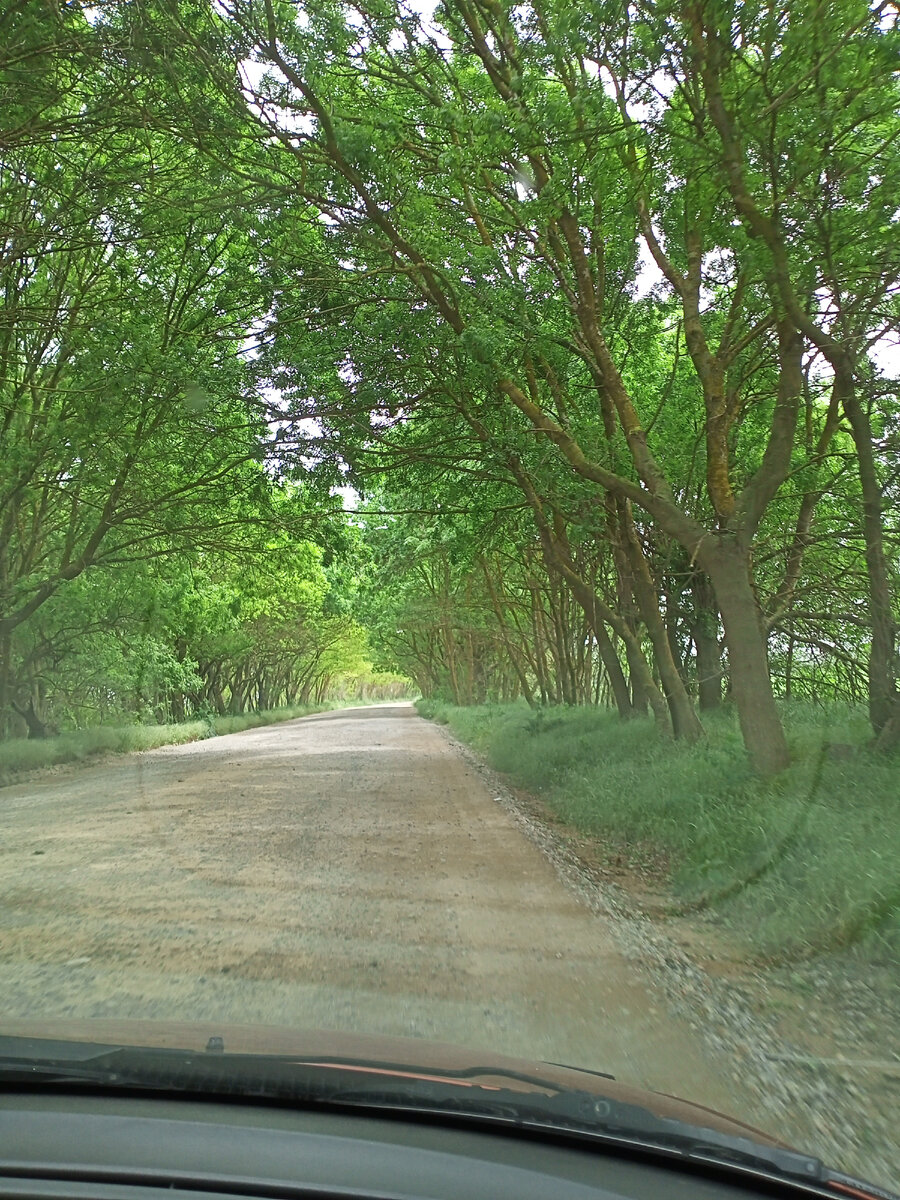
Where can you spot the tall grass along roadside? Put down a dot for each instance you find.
(21, 755)
(802, 864)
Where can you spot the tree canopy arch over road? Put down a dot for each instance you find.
(589, 304)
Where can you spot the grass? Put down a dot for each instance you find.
(21, 755)
(799, 865)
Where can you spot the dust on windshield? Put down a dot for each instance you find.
(448, 541)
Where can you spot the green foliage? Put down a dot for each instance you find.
(18, 756)
(197, 635)
(156, 562)
(802, 865)
(471, 227)
(230, 293)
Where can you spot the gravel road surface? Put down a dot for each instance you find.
(344, 871)
(352, 871)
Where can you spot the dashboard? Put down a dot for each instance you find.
(77, 1146)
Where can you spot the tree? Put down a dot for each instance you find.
(803, 124)
(446, 228)
(493, 163)
(130, 425)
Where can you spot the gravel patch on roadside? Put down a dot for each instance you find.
(818, 1101)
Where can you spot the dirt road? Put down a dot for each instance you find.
(348, 871)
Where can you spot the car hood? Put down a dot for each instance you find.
(393, 1057)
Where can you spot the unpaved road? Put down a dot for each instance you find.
(346, 871)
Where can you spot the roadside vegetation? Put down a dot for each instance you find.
(794, 867)
(19, 756)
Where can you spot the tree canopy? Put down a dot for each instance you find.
(589, 305)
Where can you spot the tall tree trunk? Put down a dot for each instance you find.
(642, 678)
(640, 697)
(727, 564)
(540, 660)
(512, 654)
(685, 722)
(563, 666)
(557, 557)
(5, 682)
(615, 676)
(37, 728)
(705, 632)
(671, 619)
(239, 689)
(884, 703)
(469, 650)
(789, 660)
(450, 652)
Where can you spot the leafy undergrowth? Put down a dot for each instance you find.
(22, 755)
(799, 865)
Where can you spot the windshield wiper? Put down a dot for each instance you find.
(396, 1088)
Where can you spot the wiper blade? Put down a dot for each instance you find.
(396, 1088)
(617, 1121)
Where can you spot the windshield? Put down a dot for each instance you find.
(448, 538)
